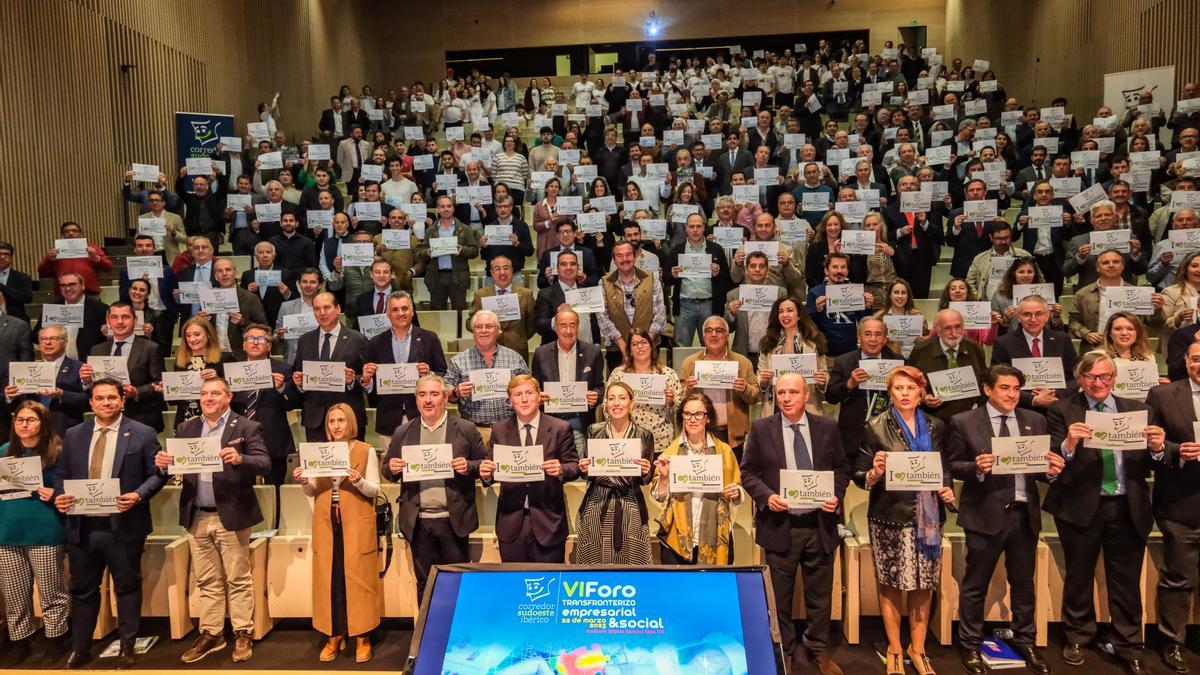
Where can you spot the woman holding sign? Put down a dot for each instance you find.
(899, 298)
(156, 325)
(905, 522)
(790, 331)
(826, 240)
(1023, 271)
(612, 521)
(1179, 299)
(199, 351)
(696, 526)
(957, 290)
(32, 539)
(345, 579)
(642, 366)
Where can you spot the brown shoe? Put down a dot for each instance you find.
(362, 653)
(332, 647)
(203, 646)
(243, 646)
(825, 665)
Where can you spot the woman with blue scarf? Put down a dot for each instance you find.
(906, 526)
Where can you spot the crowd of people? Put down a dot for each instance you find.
(786, 210)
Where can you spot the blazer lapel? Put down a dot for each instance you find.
(336, 353)
(122, 443)
(1183, 396)
(415, 345)
(776, 436)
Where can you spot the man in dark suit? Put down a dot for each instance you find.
(552, 298)
(15, 342)
(917, 238)
(67, 402)
(588, 366)
(1048, 246)
(1178, 343)
(1100, 503)
(694, 300)
(333, 125)
(845, 384)
(268, 406)
(330, 342)
(999, 513)
(272, 296)
(968, 238)
(404, 343)
(218, 508)
(590, 272)
(80, 339)
(793, 537)
(531, 518)
(142, 402)
(474, 212)
(1035, 340)
(436, 516)
(1177, 507)
(948, 349)
(202, 269)
(250, 310)
(16, 288)
(111, 446)
(162, 290)
(733, 159)
(373, 299)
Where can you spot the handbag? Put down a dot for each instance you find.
(383, 528)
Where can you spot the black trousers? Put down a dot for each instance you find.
(804, 553)
(435, 543)
(918, 274)
(96, 551)
(1017, 541)
(1112, 533)
(1052, 271)
(244, 240)
(525, 548)
(1176, 578)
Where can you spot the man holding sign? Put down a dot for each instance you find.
(999, 510)
(405, 345)
(112, 447)
(1100, 503)
(437, 515)
(949, 350)
(511, 302)
(218, 508)
(797, 537)
(330, 343)
(727, 378)
(531, 516)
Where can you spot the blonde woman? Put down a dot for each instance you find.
(1179, 299)
(345, 570)
(199, 351)
(880, 270)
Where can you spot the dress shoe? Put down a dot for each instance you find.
(1136, 665)
(331, 649)
(18, 651)
(243, 646)
(1072, 654)
(127, 657)
(972, 661)
(1172, 656)
(78, 659)
(824, 664)
(1033, 660)
(204, 645)
(362, 653)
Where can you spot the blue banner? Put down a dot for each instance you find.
(197, 134)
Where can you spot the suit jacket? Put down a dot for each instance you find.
(589, 367)
(17, 292)
(720, 283)
(547, 506)
(1012, 345)
(546, 307)
(927, 355)
(16, 340)
(463, 211)
(326, 124)
(68, 409)
(391, 410)
(1075, 495)
(133, 466)
(273, 299)
(466, 442)
(95, 313)
(852, 415)
(514, 334)
(350, 348)
(271, 410)
(740, 323)
(1175, 495)
(725, 169)
(364, 303)
(762, 460)
(233, 486)
(145, 368)
(587, 263)
(929, 240)
(252, 312)
(982, 502)
(188, 275)
(966, 244)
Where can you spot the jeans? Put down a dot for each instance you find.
(692, 314)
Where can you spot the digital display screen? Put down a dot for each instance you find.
(586, 622)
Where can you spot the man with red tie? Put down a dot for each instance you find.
(918, 238)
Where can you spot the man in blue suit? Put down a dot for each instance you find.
(111, 446)
(67, 402)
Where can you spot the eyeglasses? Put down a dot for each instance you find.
(26, 420)
(715, 331)
(1102, 377)
(629, 299)
(255, 340)
(694, 415)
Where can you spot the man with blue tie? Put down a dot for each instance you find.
(330, 342)
(797, 538)
(111, 446)
(999, 514)
(200, 271)
(1101, 502)
(269, 406)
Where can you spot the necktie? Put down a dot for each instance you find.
(800, 449)
(251, 403)
(379, 303)
(912, 229)
(119, 346)
(96, 465)
(1038, 172)
(1108, 477)
(528, 434)
(1005, 434)
(952, 358)
(1037, 350)
(357, 155)
(979, 230)
(501, 291)
(325, 350)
